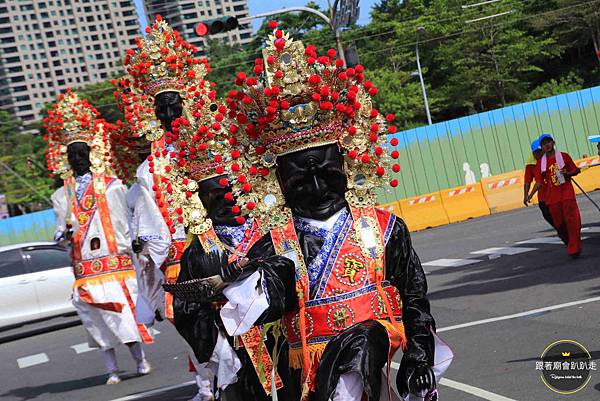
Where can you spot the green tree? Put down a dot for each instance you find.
(574, 23)
(100, 95)
(22, 159)
(570, 83)
(225, 61)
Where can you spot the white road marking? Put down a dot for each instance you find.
(509, 250)
(156, 391)
(32, 360)
(477, 392)
(480, 393)
(451, 262)
(542, 240)
(520, 314)
(153, 331)
(545, 240)
(81, 348)
(591, 229)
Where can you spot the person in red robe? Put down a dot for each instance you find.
(555, 170)
(536, 154)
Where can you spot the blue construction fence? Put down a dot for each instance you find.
(37, 226)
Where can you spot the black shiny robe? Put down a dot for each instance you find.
(363, 347)
(199, 323)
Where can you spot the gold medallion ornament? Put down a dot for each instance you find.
(88, 202)
(79, 270)
(83, 218)
(113, 263)
(96, 266)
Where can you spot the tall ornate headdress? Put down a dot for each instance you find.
(203, 149)
(299, 100)
(162, 62)
(74, 120)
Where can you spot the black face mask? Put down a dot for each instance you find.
(168, 106)
(313, 181)
(78, 154)
(212, 195)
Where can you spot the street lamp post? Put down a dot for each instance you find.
(419, 30)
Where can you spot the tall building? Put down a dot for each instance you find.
(184, 15)
(49, 45)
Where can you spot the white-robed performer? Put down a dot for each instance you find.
(91, 213)
(151, 98)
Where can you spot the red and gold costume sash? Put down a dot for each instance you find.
(170, 269)
(351, 290)
(88, 269)
(112, 267)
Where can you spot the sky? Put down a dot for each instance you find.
(260, 6)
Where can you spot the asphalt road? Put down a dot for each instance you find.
(476, 271)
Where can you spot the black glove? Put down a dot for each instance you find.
(68, 234)
(137, 245)
(421, 380)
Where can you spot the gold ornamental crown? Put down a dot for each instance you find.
(75, 120)
(287, 106)
(163, 61)
(203, 145)
(126, 147)
(71, 119)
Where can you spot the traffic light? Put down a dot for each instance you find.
(217, 25)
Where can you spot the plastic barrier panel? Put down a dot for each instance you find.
(504, 191)
(392, 207)
(589, 178)
(462, 203)
(424, 211)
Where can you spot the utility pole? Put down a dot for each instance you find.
(419, 30)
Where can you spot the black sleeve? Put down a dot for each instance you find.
(279, 278)
(195, 321)
(404, 271)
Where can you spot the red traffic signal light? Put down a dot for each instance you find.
(201, 29)
(216, 25)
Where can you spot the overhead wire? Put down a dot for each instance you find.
(345, 40)
(407, 44)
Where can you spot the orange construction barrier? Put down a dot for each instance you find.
(392, 207)
(424, 211)
(463, 203)
(504, 191)
(589, 178)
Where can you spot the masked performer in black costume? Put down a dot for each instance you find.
(360, 290)
(226, 259)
